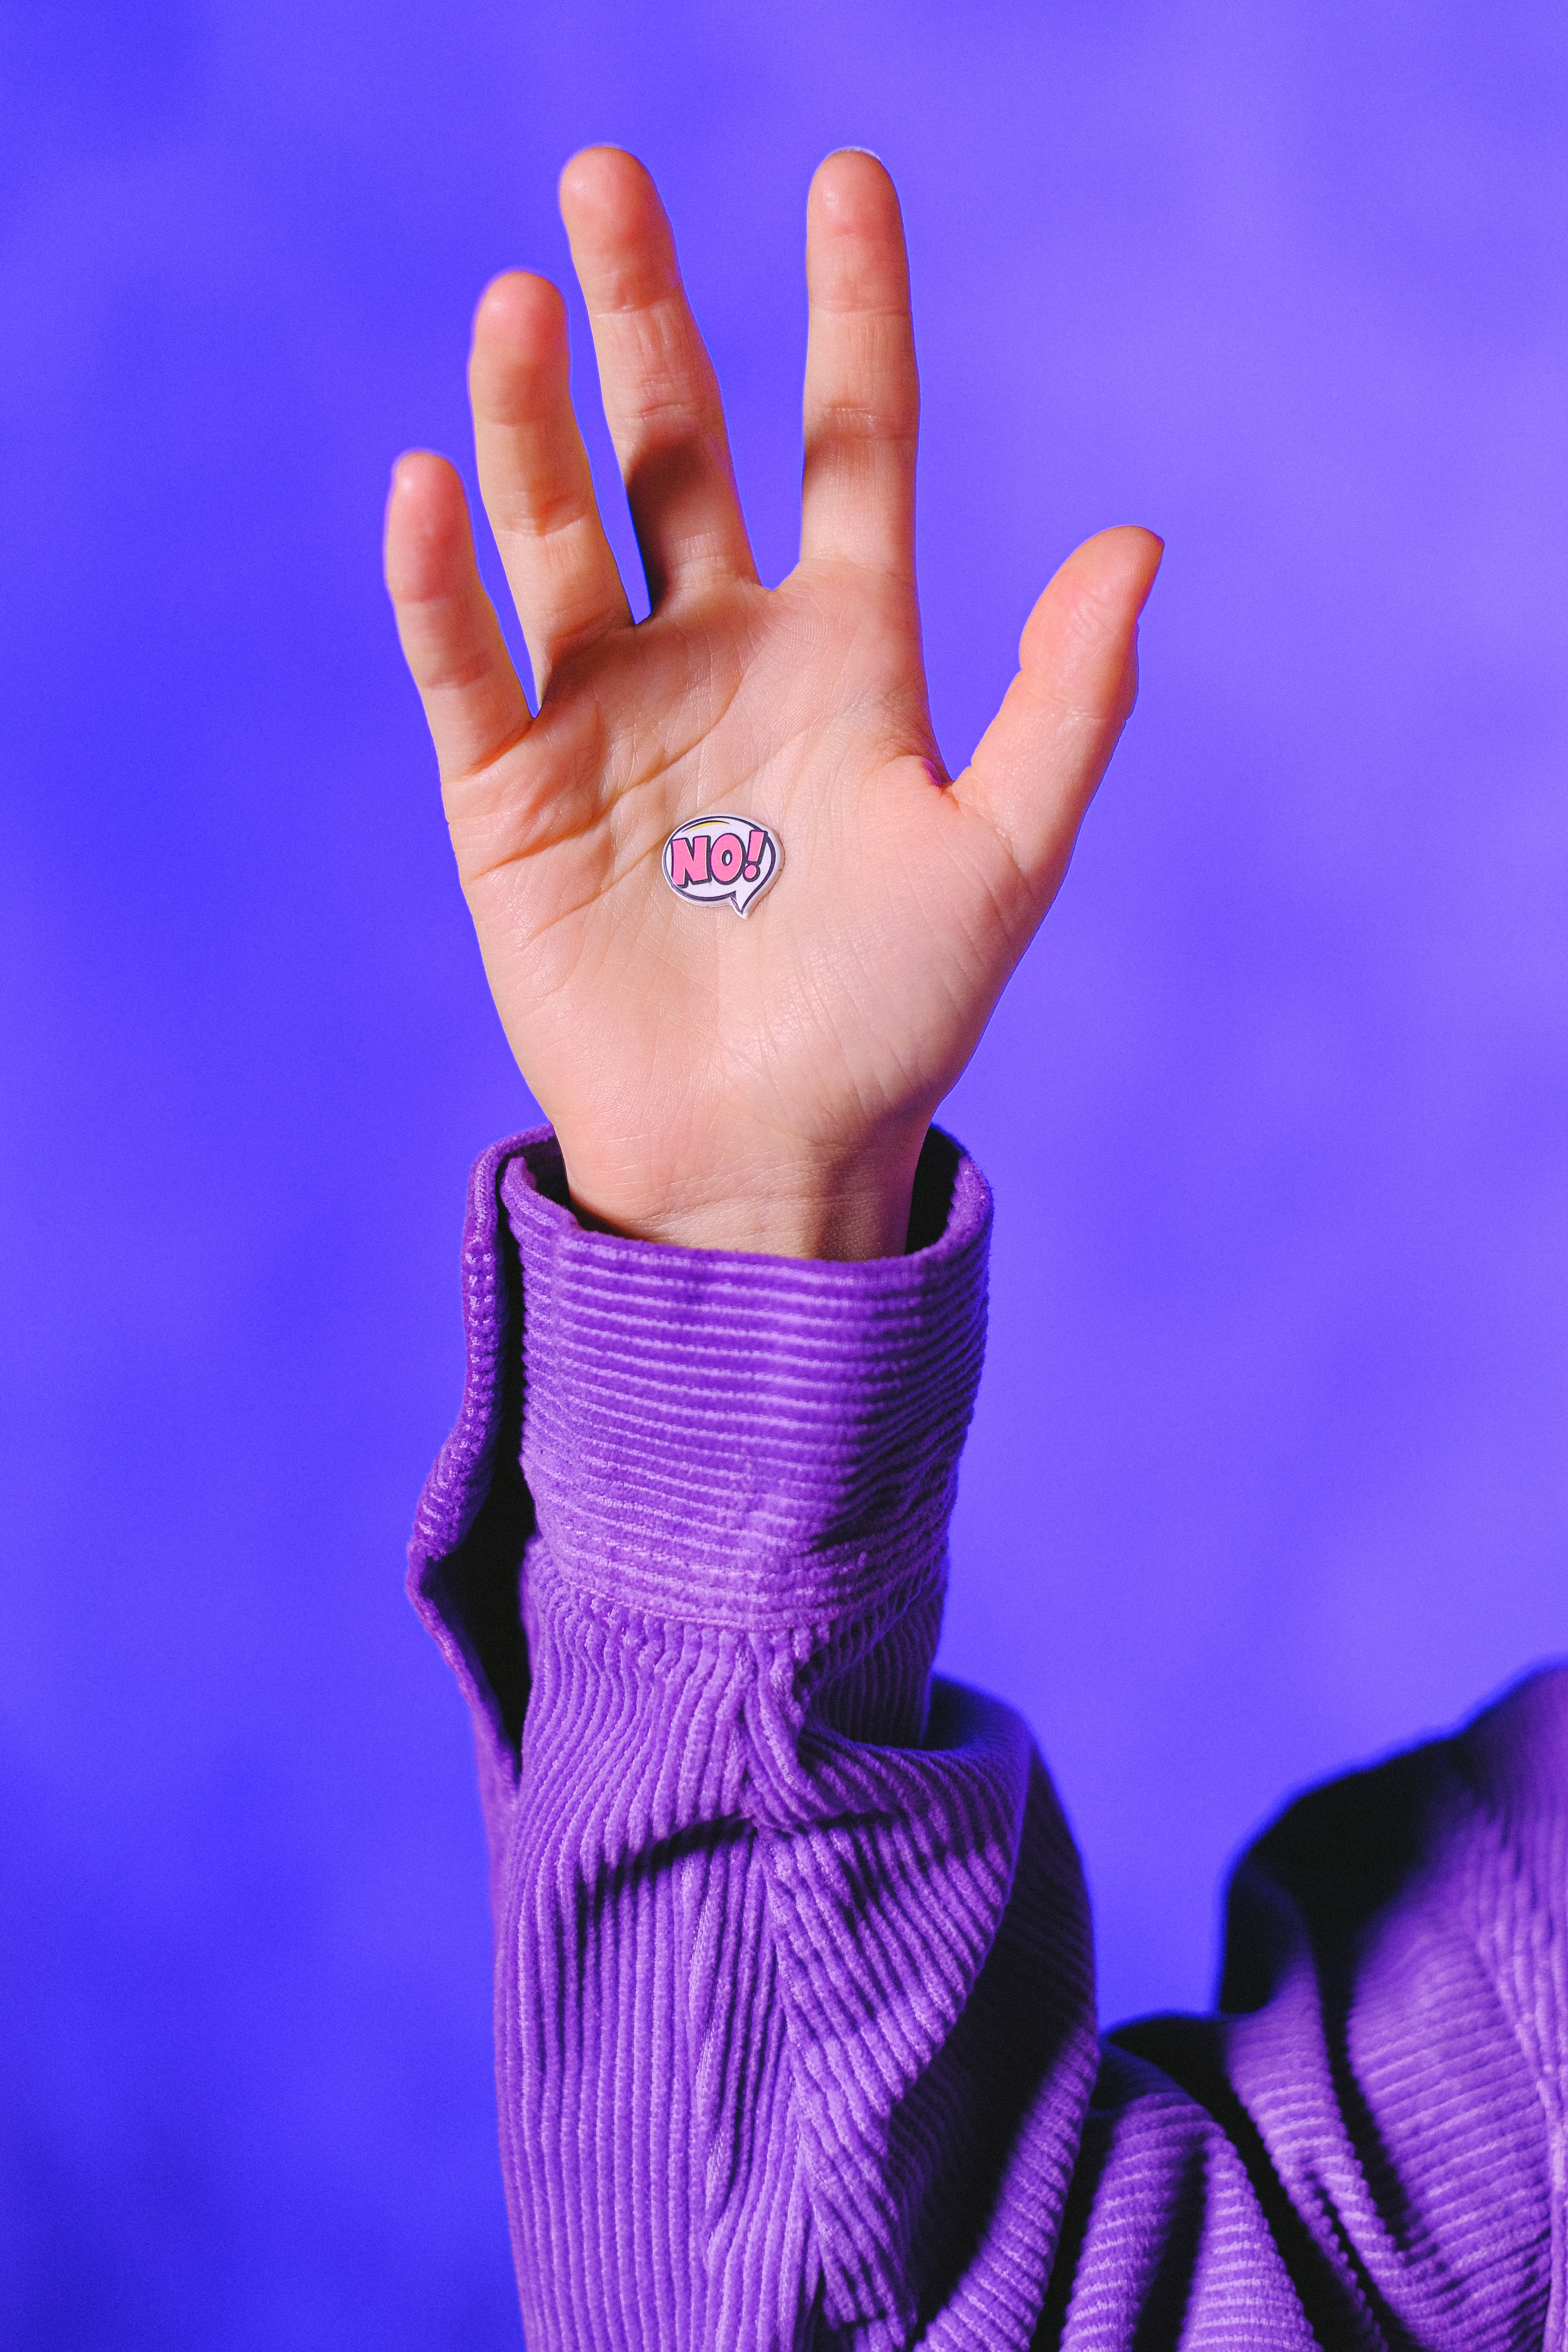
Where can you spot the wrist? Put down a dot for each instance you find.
(846, 1207)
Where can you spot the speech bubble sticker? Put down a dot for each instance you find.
(718, 861)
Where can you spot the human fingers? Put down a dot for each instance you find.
(534, 475)
(475, 707)
(662, 395)
(1037, 766)
(862, 393)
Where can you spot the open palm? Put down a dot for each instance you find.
(763, 1084)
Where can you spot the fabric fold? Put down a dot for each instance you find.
(795, 2011)
(765, 1895)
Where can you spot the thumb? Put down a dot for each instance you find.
(1036, 767)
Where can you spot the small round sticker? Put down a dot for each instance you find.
(716, 861)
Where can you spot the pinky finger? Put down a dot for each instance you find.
(474, 704)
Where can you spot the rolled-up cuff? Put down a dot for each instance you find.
(736, 1439)
(745, 1439)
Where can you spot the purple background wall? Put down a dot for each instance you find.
(1269, 1471)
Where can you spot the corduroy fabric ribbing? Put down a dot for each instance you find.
(793, 2003)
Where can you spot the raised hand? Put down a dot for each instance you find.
(765, 1084)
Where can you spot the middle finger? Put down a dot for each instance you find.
(662, 395)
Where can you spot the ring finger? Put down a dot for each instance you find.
(534, 476)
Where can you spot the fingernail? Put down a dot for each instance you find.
(857, 150)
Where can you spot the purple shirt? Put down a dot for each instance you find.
(795, 2029)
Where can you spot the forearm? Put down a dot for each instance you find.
(793, 2000)
(794, 2006)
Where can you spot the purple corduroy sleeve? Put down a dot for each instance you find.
(795, 2032)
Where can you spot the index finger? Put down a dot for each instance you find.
(862, 391)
